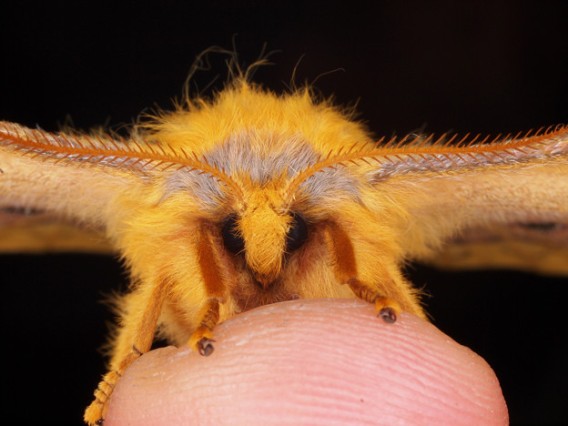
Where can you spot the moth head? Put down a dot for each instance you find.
(264, 233)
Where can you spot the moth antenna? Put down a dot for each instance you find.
(459, 155)
(394, 159)
(462, 140)
(114, 145)
(353, 147)
(403, 141)
(104, 152)
(90, 143)
(429, 139)
(151, 149)
(160, 148)
(391, 141)
(448, 141)
(472, 141)
(171, 149)
(468, 154)
(484, 140)
(528, 134)
(168, 166)
(496, 138)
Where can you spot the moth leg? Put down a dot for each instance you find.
(201, 339)
(386, 308)
(346, 271)
(135, 337)
(210, 262)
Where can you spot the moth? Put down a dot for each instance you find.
(251, 197)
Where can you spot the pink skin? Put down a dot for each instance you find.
(313, 362)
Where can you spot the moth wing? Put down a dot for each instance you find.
(22, 232)
(53, 196)
(534, 248)
(497, 205)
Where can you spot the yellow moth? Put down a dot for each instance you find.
(251, 197)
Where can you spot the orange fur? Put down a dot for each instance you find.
(308, 188)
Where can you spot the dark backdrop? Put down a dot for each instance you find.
(435, 65)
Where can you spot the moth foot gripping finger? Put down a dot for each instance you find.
(202, 341)
(94, 414)
(387, 309)
(202, 338)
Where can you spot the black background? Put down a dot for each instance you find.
(461, 66)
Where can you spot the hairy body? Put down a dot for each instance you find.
(254, 198)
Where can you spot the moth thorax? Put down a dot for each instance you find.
(264, 232)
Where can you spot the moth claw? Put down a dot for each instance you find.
(387, 309)
(388, 315)
(205, 346)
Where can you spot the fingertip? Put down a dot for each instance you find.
(317, 362)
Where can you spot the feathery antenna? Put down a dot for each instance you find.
(104, 151)
(397, 156)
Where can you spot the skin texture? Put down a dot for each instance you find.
(328, 362)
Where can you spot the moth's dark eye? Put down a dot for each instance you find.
(232, 239)
(297, 234)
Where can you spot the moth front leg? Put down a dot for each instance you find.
(201, 339)
(210, 264)
(135, 337)
(346, 272)
(386, 308)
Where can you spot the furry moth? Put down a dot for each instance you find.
(252, 198)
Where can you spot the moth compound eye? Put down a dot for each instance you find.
(297, 234)
(232, 239)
